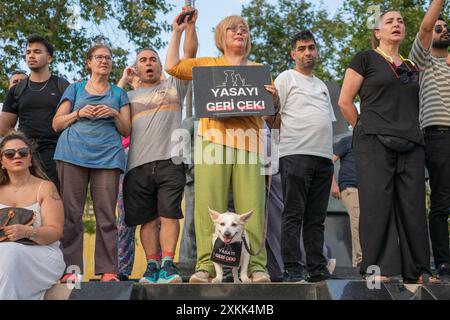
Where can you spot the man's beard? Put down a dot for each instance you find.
(36, 68)
(309, 66)
(441, 44)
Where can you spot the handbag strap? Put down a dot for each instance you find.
(11, 215)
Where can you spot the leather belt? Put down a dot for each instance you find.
(436, 128)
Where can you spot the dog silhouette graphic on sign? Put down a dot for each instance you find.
(233, 79)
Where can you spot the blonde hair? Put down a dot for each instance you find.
(221, 33)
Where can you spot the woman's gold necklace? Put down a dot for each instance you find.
(96, 90)
(22, 185)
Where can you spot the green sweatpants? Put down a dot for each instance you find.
(212, 186)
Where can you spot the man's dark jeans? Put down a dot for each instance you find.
(306, 182)
(437, 149)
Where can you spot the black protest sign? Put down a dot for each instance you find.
(232, 91)
(226, 254)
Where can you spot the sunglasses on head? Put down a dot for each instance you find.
(10, 153)
(410, 76)
(440, 28)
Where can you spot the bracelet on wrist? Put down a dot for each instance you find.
(32, 235)
(78, 114)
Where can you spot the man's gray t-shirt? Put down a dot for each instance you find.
(306, 116)
(434, 86)
(155, 115)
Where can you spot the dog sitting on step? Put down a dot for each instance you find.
(230, 244)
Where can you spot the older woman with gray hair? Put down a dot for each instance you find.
(92, 115)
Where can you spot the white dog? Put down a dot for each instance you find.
(229, 228)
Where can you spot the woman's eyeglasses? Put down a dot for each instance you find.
(11, 153)
(100, 58)
(235, 28)
(440, 28)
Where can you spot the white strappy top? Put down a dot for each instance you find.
(36, 208)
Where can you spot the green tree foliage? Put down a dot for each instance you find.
(340, 36)
(75, 25)
(272, 27)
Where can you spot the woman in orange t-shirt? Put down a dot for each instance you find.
(227, 150)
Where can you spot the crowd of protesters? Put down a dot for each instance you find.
(93, 135)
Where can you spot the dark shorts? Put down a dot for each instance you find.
(153, 190)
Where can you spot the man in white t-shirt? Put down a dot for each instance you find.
(306, 167)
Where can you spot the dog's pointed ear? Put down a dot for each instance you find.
(245, 216)
(214, 214)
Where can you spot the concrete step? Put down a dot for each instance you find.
(325, 290)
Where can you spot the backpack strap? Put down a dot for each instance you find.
(18, 91)
(78, 86)
(62, 85)
(117, 92)
(20, 88)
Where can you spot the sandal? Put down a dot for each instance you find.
(107, 277)
(377, 278)
(425, 278)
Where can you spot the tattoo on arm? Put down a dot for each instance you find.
(54, 194)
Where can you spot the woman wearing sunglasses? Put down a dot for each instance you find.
(27, 271)
(92, 115)
(390, 157)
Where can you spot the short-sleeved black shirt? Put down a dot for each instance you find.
(36, 109)
(347, 171)
(388, 106)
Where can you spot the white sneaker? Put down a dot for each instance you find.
(331, 265)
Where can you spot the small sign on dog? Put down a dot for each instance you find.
(232, 91)
(227, 254)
